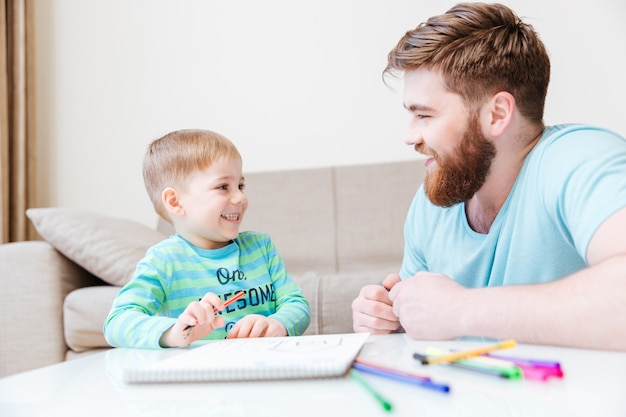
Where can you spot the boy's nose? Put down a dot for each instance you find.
(239, 197)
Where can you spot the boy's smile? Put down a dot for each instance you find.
(231, 217)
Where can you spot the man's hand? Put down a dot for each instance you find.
(429, 306)
(372, 310)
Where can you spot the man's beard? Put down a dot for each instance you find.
(459, 175)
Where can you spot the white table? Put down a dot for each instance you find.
(593, 385)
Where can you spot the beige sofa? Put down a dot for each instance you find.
(337, 228)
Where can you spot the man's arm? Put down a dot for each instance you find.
(586, 309)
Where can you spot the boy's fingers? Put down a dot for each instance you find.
(213, 302)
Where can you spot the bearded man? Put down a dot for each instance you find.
(519, 230)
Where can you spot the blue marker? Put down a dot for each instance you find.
(400, 376)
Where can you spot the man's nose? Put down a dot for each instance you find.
(413, 137)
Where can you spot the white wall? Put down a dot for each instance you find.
(292, 83)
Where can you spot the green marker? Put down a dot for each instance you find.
(381, 400)
(510, 372)
(490, 366)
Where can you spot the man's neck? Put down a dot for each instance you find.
(482, 209)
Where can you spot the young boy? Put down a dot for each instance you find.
(177, 294)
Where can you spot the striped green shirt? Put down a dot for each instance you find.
(175, 273)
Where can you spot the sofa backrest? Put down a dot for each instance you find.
(296, 209)
(334, 219)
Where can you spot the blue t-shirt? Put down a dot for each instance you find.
(571, 182)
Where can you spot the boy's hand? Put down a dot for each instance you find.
(197, 321)
(255, 325)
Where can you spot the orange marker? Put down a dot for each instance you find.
(451, 357)
(230, 301)
(226, 304)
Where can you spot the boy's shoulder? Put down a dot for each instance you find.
(175, 244)
(169, 244)
(251, 237)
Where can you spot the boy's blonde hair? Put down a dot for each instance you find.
(170, 160)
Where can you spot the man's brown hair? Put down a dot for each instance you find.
(480, 49)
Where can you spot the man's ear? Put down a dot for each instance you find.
(171, 202)
(500, 113)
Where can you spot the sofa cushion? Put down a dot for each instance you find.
(331, 294)
(371, 210)
(84, 313)
(107, 247)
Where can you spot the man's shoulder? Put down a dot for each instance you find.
(571, 132)
(570, 144)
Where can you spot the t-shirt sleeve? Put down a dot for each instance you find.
(584, 181)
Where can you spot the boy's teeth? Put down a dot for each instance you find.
(231, 216)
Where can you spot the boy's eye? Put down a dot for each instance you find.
(242, 187)
(223, 187)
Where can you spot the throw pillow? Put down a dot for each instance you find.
(107, 247)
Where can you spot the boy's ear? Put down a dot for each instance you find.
(501, 108)
(171, 202)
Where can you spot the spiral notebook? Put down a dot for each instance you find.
(266, 358)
